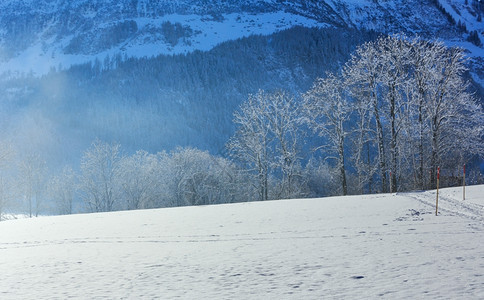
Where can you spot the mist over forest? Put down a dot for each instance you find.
(164, 102)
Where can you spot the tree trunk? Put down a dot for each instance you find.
(393, 143)
(342, 166)
(420, 148)
(370, 175)
(381, 148)
(434, 157)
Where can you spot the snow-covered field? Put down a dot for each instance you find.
(357, 247)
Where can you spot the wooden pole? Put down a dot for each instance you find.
(464, 184)
(437, 198)
(391, 182)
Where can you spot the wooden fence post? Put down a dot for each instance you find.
(437, 198)
(464, 184)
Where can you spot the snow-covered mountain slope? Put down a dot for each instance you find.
(39, 35)
(146, 37)
(358, 247)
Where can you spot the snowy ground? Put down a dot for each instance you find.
(357, 247)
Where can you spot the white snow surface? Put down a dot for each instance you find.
(356, 247)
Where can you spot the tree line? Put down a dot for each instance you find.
(397, 110)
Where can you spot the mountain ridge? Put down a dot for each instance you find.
(39, 35)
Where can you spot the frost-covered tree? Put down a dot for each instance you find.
(321, 179)
(420, 106)
(99, 179)
(362, 138)
(165, 183)
(284, 114)
(6, 178)
(194, 177)
(444, 119)
(251, 142)
(327, 112)
(267, 143)
(32, 171)
(394, 56)
(455, 118)
(138, 177)
(361, 74)
(62, 189)
(423, 56)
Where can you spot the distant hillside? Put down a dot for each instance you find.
(167, 101)
(38, 35)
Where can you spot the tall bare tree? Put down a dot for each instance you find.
(62, 188)
(32, 177)
(6, 183)
(99, 179)
(394, 55)
(449, 107)
(327, 112)
(361, 74)
(420, 104)
(138, 177)
(267, 142)
(284, 114)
